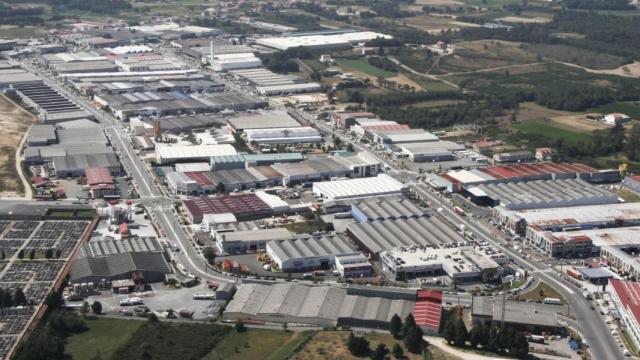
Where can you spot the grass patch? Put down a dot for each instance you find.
(548, 129)
(306, 227)
(256, 343)
(630, 108)
(431, 85)
(628, 339)
(104, 334)
(434, 103)
(363, 67)
(627, 195)
(171, 340)
(540, 292)
(574, 55)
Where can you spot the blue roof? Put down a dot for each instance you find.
(595, 273)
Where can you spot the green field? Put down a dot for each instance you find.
(104, 334)
(548, 129)
(258, 344)
(631, 108)
(540, 292)
(362, 66)
(574, 55)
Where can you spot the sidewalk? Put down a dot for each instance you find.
(466, 355)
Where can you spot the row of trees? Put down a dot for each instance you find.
(16, 299)
(495, 339)
(408, 331)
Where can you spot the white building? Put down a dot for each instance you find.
(292, 136)
(320, 41)
(626, 297)
(615, 118)
(308, 253)
(181, 184)
(381, 185)
(224, 62)
(166, 154)
(353, 265)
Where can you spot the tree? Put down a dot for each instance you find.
(58, 253)
(85, 308)
(32, 254)
(413, 340)
(3, 255)
(153, 318)
(519, 346)
(358, 346)
(350, 147)
(239, 326)
(48, 253)
(492, 343)
(19, 298)
(41, 345)
(96, 307)
(395, 326)
(210, 255)
(380, 352)
(397, 351)
(409, 323)
(460, 333)
(484, 334)
(450, 331)
(505, 338)
(21, 254)
(475, 334)
(220, 188)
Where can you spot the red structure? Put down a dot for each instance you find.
(100, 181)
(428, 310)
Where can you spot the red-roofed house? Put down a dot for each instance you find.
(428, 311)
(626, 297)
(100, 181)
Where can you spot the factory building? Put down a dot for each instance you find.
(244, 207)
(324, 306)
(462, 264)
(387, 208)
(268, 83)
(524, 316)
(308, 252)
(100, 182)
(376, 236)
(181, 184)
(249, 178)
(225, 62)
(111, 260)
(381, 185)
(513, 157)
(75, 165)
(430, 151)
(52, 107)
(42, 135)
(540, 194)
(250, 240)
(395, 137)
(577, 217)
(341, 40)
(264, 120)
(283, 136)
(353, 265)
(626, 298)
(168, 154)
(346, 120)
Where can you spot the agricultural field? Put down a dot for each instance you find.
(104, 334)
(629, 108)
(258, 344)
(14, 124)
(549, 130)
(573, 55)
(361, 68)
(572, 121)
(540, 292)
(435, 24)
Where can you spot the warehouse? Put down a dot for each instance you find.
(381, 185)
(180, 124)
(240, 179)
(462, 264)
(324, 306)
(353, 265)
(525, 316)
(168, 154)
(263, 120)
(345, 120)
(395, 137)
(321, 41)
(181, 184)
(513, 157)
(287, 89)
(431, 151)
(42, 135)
(286, 136)
(250, 240)
(271, 158)
(559, 219)
(9, 77)
(362, 164)
(244, 207)
(148, 103)
(376, 236)
(230, 100)
(51, 106)
(626, 298)
(387, 208)
(308, 252)
(540, 194)
(269, 83)
(119, 260)
(100, 182)
(75, 165)
(225, 62)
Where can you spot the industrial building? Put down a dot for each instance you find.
(243, 241)
(235, 61)
(309, 252)
(10, 76)
(376, 236)
(119, 260)
(241, 179)
(513, 157)
(181, 184)
(345, 120)
(387, 208)
(244, 207)
(353, 265)
(284, 136)
(525, 316)
(148, 103)
(269, 83)
(75, 165)
(540, 194)
(577, 217)
(625, 295)
(334, 40)
(462, 264)
(324, 306)
(264, 120)
(42, 135)
(168, 154)
(381, 185)
(395, 137)
(100, 182)
(230, 101)
(430, 151)
(51, 106)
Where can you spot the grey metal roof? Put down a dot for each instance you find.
(311, 246)
(74, 162)
(102, 248)
(388, 234)
(516, 312)
(380, 209)
(258, 235)
(118, 264)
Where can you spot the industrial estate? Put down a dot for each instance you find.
(178, 173)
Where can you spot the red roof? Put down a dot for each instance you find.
(39, 180)
(428, 308)
(235, 204)
(124, 229)
(199, 177)
(634, 177)
(390, 127)
(629, 294)
(534, 169)
(98, 175)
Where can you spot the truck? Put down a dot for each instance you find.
(204, 296)
(552, 301)
(536, 338)
(459, 210)
(130, 301)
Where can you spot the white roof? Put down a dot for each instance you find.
(466, 176)
(193, 167)
(223, 218)
(193, 151)
(129, 49)
(580, 214)
(243, 56)
(382, 184)
(272, 201)
(283, 43)
(282, 133)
